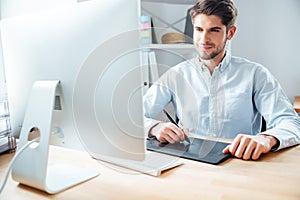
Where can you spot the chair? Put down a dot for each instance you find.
(297, 104)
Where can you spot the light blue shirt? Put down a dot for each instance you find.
(230, 101)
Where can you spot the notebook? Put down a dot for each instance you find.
(202, 150)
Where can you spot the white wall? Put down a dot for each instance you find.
(10, 8)
(269, 33)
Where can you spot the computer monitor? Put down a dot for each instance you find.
(92, 48)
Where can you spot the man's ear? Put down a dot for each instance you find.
(231, 32)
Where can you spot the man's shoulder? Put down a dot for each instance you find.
(244, 64)
(184, 65)
(243, 60)
(187, 62)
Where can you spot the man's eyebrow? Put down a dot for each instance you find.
(216, 27)
(212, 28)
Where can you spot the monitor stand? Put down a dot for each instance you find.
(31, 165)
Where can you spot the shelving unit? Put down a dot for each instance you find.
(186, 50)
(165, 14)
(7, 141)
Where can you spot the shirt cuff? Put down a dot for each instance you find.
(149, 125)
(277, 145)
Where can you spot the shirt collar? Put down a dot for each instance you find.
(221, 67)
(225, 62)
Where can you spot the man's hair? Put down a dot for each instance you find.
(224, 9)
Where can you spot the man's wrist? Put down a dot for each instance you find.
(153, 130)
(274, 142)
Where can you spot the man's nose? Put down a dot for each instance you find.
(204, 37)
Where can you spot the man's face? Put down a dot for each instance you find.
(210, 36)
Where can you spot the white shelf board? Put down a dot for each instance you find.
(172, 46)
(187, 50)
(190, 2)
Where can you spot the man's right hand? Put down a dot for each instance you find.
(168, 132)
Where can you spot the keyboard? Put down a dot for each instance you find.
(153, 164)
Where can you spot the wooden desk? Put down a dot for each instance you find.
(274, 176)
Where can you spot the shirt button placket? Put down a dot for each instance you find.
(213, 105)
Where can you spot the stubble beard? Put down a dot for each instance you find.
(205, 56)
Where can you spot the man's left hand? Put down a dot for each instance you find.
(249, 146)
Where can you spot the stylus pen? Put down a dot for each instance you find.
(173, 121)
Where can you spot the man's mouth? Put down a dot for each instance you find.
(206, 47)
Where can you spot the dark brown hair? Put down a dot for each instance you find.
(224, 9)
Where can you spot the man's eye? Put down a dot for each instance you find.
(198, 29)
(215, 30)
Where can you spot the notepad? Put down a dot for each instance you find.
(202, 150)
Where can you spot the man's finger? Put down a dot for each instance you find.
(249, 150)
(244, 141)
(235, 143)
(258, 151)
(226, 149)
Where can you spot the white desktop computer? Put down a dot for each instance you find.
(74, 74)
(45, 56)
(53, 45)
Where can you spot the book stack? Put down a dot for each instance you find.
(145, 32)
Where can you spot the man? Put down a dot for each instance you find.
(218, 95)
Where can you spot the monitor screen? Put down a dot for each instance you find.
(92, 48)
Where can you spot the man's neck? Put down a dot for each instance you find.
(213, 63)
